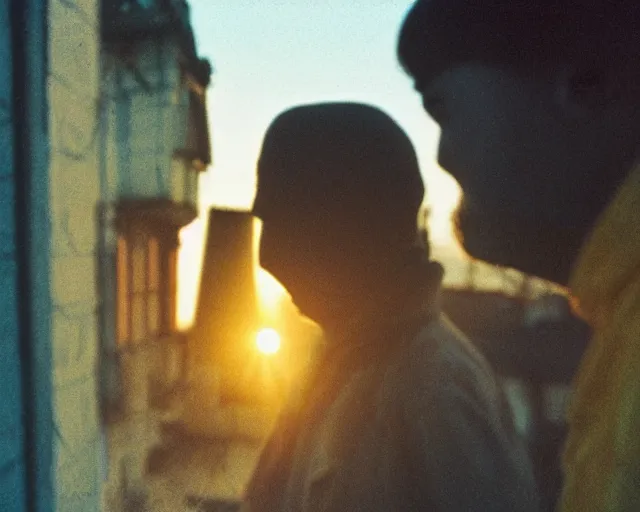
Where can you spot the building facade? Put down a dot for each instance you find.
(92, 200)
(154, 145)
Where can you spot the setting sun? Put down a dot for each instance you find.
(268, 341)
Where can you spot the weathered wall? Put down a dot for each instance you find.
(74, 116)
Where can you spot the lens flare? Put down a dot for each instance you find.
(268, 341)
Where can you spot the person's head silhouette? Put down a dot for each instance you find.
(539, 108)
(339, 189)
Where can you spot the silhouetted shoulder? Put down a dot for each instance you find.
(440, 356)
(456, 427)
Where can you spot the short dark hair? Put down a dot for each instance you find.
(520, 35)
(348, 165)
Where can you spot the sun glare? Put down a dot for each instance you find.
(268, 341)
(190, 256)
(269, 290)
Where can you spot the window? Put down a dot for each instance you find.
(146, 288)
(195, 146)
(122, 293)
(153, 287)
(170, 297)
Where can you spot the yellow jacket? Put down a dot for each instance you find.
(602, 456)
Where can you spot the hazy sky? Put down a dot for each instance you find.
(270, 55)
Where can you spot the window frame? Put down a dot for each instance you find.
(144, 289)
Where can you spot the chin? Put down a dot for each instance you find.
(310, 309)
(320, 309)
(481, 237)
(508, 241)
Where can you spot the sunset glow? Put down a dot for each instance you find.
(269, 290)
(269, 57)
(268, 341)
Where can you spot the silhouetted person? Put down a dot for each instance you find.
(400, 413)
(539, 106)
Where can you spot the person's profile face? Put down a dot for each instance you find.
(282, 253)
(292, 252)
(505, 142)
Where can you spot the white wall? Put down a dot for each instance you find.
(74, 192)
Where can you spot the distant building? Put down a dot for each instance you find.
(235, 389)
(154, 145)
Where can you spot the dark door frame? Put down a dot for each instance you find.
(29, 36)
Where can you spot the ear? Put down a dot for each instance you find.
(585, 89)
